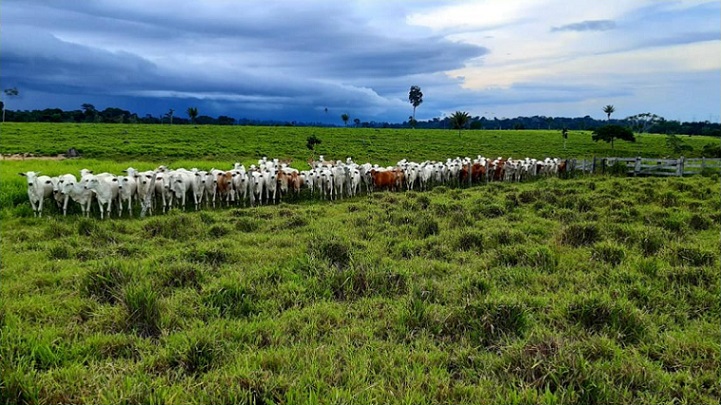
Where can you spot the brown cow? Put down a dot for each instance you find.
(385, 179)
(224, 186)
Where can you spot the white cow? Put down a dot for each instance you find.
(60, 195)
(39, 188)
(127, 190)
(105, 188)
(256, 187)
(77, 192)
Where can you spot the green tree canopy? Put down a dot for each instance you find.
(459, 120)
(192, 113)
(608, 133)
(609, 109)
(415, 96)
(345, 118)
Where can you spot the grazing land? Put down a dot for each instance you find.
(561, 291)
(382, 146)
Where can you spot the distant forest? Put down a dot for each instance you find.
(643, 123)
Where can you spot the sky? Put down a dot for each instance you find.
(313, 60)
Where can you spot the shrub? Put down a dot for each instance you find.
(142, 310)
(104, 283)
(580, 234)
(599, 315)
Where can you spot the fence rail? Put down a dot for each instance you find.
(639, 166)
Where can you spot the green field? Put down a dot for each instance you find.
(382, 146)
(588, 290)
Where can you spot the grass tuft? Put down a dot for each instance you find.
(620, 321)
(608, 252)
(142, 310)
(583, 234)
(105, 281)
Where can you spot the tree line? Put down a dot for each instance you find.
(641, 123)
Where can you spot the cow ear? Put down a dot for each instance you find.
(125, 171)
(23, 174)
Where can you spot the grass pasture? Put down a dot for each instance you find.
(589, 290)
(382, 146)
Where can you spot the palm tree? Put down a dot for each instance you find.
(609, 110)
(416, 98)
(345, 118)
(459, 120)
(192, 113)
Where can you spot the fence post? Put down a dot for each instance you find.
(703, 163)
(637, 166)
(603, 165)
(679, 166)
(593, 165)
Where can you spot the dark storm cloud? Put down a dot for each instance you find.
(275, 57)
(594, 25)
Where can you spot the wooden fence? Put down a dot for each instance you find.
(639, 166)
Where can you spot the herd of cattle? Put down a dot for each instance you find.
(268, 182)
